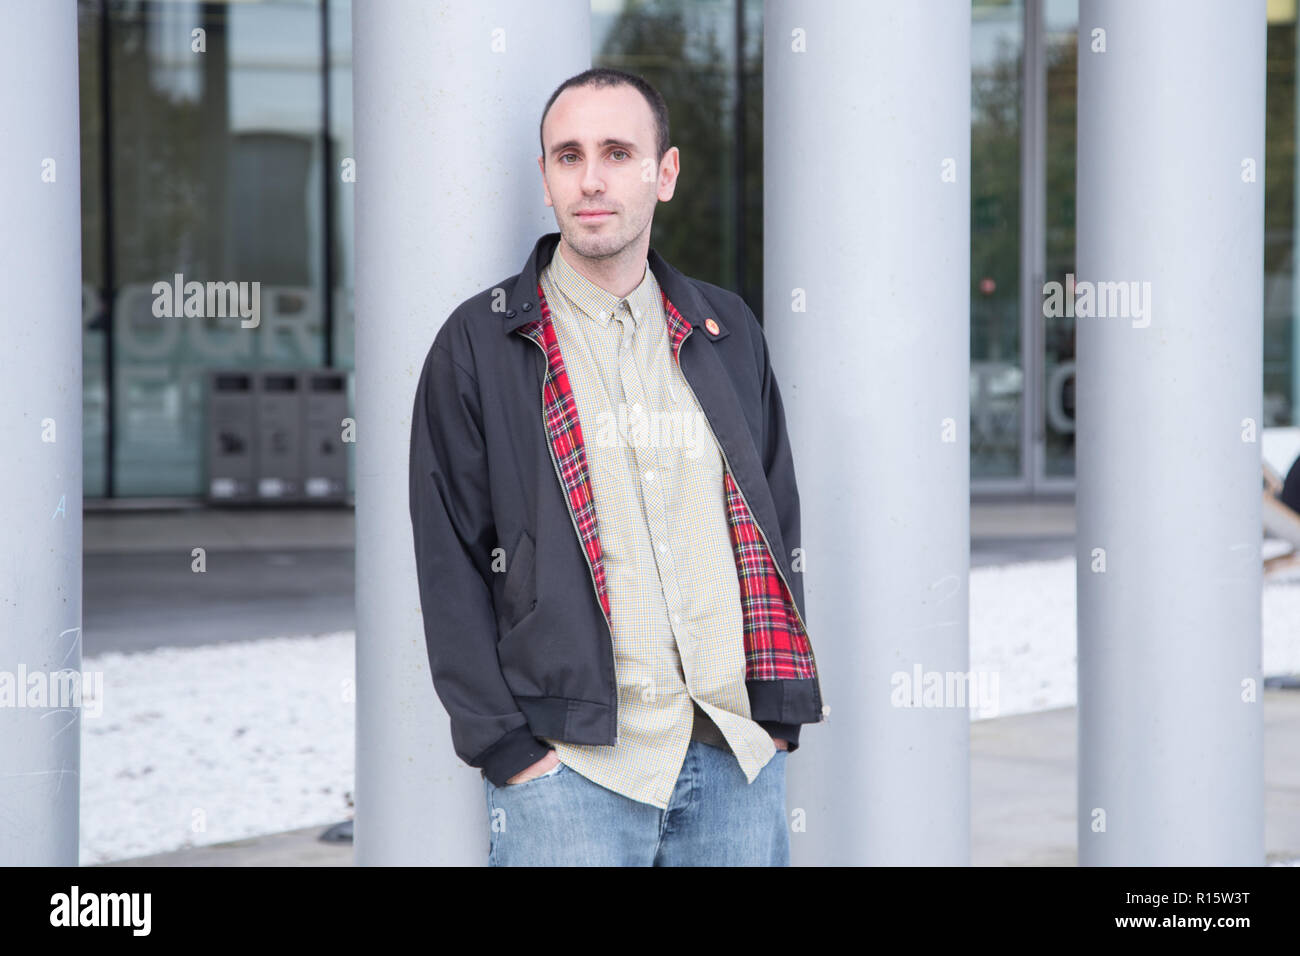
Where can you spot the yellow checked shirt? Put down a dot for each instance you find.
(656, 476)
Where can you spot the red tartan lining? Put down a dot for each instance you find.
(776, 645)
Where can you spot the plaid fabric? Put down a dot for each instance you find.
(776, 645)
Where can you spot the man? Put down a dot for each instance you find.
(606, 527)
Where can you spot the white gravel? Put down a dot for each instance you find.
(210, 744)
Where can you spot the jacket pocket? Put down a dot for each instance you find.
(520, 592)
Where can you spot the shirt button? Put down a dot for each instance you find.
(649, 476)
(677, 619)
(637, 313)
(826, 711)
(663, 548)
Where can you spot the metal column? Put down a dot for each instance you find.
(447, 100)
(1170, 232)
(40, 432)
(867, 311)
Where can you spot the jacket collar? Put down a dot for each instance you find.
(523, 305)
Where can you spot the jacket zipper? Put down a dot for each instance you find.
(775, 563)
(546, 432)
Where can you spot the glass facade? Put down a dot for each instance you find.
(997, 367)
(1055, 416)
(216, 139)
(204, 150)
(1281, 342)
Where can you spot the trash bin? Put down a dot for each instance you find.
(325, 462)
(279, 436)
(231, 434)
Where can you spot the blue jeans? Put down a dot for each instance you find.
(714, 818)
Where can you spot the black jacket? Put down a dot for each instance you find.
(511, 583)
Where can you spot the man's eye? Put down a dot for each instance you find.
(623, 151)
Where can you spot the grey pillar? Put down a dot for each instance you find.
(40, 432)
(1170, 197)
(447, 98)
(866, 134)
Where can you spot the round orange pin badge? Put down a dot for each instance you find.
(711, 326)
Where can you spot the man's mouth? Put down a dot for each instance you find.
(594, 215)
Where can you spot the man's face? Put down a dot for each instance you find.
(600, 158)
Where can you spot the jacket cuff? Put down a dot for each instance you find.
(787, 732)
(511, 754)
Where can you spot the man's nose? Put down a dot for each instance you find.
(591, 180)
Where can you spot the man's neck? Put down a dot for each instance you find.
(617, 275)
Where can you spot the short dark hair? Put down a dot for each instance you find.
(606, 76)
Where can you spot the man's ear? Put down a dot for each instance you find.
(667, 188)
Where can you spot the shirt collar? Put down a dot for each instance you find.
(596, 303)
